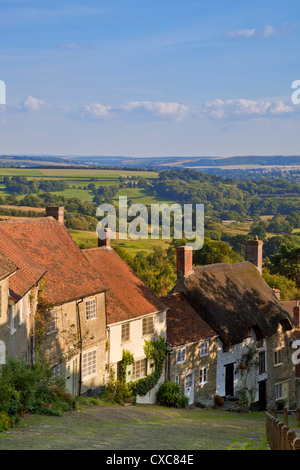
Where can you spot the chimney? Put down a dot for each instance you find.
(254, 252)
(104, 237)
(57, 212)
(276, 292)
(296, 312)
(184, 255)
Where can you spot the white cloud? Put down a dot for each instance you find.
(159, 109)
(33, 104)
(95, 111)
(267, 32)
(240, 109)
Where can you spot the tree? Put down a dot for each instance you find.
(215, 252)
(287, 262)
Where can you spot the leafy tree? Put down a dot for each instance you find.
(287, 262)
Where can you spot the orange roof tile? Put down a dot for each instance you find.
(184, 324)
(128, 297)
(28, 272)
(69, 276)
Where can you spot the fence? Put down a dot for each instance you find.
(279, 436)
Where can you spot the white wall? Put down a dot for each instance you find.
(234, 355)
(136, 345)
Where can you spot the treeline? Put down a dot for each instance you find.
(227, 198)
(18, 185)
(247, 160)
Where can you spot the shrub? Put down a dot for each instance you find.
(169, 394)
(4, 421)
(34, 389)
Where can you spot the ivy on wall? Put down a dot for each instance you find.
(155, 350)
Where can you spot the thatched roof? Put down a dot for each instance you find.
(232, 298)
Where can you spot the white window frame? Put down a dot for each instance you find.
(204, 348)
(52, 324)
(91, 309)
(138, 364)
(277, 361)
(277, 396)
(177, 379)
(181, 356)
(145, 326)
(21, 316)
(89, 363)
(203, 373)
(125, 335)
(11, 308)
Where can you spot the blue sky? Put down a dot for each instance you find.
(149, 77)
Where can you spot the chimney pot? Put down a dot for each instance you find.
(184, 255)
(58, 212)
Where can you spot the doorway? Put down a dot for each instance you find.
(189, 387)
(229, 378)
(262, 395)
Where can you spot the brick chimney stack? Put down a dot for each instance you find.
(276, 292)
(184, 255)
(296, 311)
(104, 237)
(57, 212)
(254, 252)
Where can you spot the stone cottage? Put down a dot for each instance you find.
(254, 332)
(70, 312)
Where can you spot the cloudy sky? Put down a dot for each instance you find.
(149, 77)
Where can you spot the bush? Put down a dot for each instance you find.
(25, 389)
(169, 394)
(4, 421)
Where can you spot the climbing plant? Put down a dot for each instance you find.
(155, 350)
(127, 359)
(248, 362)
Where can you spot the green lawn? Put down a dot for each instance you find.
(140, 427)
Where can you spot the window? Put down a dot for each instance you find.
(204, 347)
(89, 363)
(259, 343)
(177, 379)
(12, 319)
(180, 356)
(278, 391)
(57, 371)
(277, 355)
(51, 325)
(90, 309)
(226, 348)
(188, 381)
(262, 362)
(21, 312)
(139, 369)
(203, 375)
(125, 332)
(148, 327)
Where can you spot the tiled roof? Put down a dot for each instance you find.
(289, 306)
(184, 324)
(128, 297)
(28, 272)
(232, 298)
(7, 266)
(48, 244)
